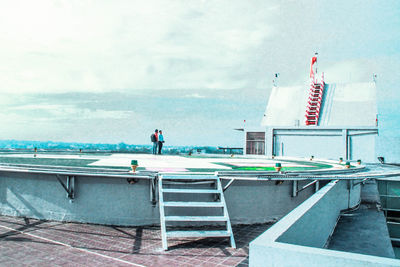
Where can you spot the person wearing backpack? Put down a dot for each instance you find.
(154, 139)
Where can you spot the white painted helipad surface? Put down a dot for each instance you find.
(156, 162)
(176, 163)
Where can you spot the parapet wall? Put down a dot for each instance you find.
(113, 201)
(299, 237)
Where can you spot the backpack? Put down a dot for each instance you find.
(153, 138)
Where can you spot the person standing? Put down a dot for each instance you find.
(154, 139)
(160, 141)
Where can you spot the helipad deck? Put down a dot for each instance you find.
(168, 163)
(101, 189)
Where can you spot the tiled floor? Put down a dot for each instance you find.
(29, 242)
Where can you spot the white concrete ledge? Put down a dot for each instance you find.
(299, 237)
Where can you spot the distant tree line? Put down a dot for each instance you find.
(27, 146)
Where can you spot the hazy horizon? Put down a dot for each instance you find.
(111, 72)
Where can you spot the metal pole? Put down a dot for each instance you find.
(316, 186)
(294, 189)
(345, 143)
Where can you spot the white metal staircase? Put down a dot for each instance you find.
(179, 207)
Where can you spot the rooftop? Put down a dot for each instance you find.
(39, 243)
(364, 230)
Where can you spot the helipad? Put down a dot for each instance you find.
(101, 188)
(169, 163)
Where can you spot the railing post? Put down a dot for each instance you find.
(153, 186)
(71, 187)
(294, 188)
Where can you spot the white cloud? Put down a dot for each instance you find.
(57, 46)
(57, 112)
(90, 47)
(196, 95)
(363, 69)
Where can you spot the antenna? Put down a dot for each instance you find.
(275, 80)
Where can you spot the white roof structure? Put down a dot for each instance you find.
(352, 104)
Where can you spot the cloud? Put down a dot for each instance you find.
(122, 67)
(59, 46)
(196, 95)
(363, 69)
(59, 112)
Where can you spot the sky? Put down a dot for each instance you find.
(113, 71)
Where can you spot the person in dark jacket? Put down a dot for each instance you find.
(154, 139)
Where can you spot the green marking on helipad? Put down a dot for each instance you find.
(309, 166)
(309, 163)
(294, 168)
(48, 161)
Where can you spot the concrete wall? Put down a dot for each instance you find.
(115, 202)
(263, 201)
(388, 146)
(363, 147)
(286, 106)
(323, 142)
(343, 104)
(351, 104)
(322, 216)
(298, 238)
(327, 147)
(97, 200)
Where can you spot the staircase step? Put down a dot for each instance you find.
(193, 204)
(198, 234)
(193, 191)
(196, 218)
(314, 103)
(196, 191)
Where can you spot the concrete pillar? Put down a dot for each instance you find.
(270, 139)
(244, 141)
(345, 142)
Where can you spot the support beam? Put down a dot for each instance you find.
(364, 133)
(269, 142)
(69, 187)
(294, 189)
(228, 185)
(153, 192)
(307, 185)
(317, 186)
(361, 182)
(345, 138)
